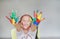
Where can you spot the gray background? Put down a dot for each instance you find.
(50, 27)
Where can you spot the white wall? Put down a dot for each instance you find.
(50, 27)
(51, 11)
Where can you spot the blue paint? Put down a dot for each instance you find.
(35, 23)
(16, 19)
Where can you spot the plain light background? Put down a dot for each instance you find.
(50, 27)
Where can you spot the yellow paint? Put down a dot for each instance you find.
(39, 16)
(13, 21)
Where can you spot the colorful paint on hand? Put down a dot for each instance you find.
(37, 17)
(13, 18)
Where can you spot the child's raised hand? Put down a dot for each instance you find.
(13, 19)
(37, 18)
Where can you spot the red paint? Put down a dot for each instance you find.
(35, 14)
(38, 20)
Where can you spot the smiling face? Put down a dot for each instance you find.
(26, 21)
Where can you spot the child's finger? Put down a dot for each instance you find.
(8, 19)
(42, 19)
(35, 14)
(11, 20)
(39, 15)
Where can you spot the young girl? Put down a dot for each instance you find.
(25, 29)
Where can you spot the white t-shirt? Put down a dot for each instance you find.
(29, 35)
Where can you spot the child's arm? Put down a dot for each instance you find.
(18, 27)
(33, 27)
